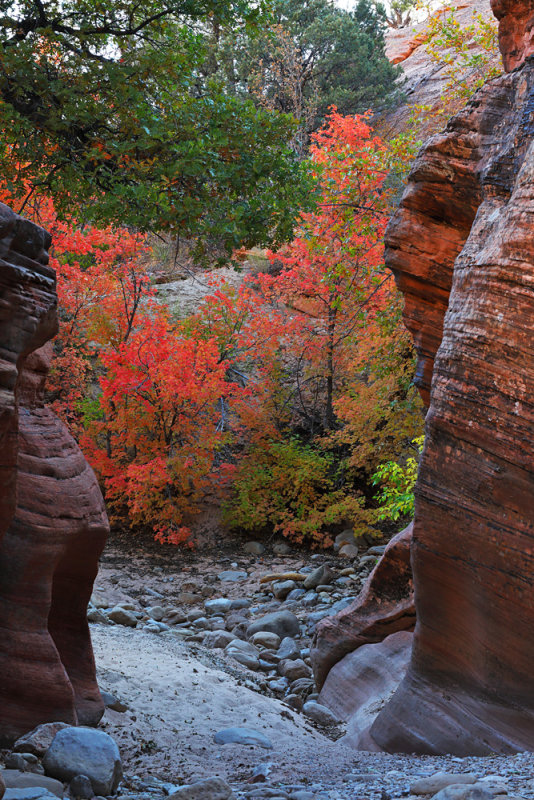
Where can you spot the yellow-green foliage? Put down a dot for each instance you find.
(469, 56)
(396, 495)
(289, 487)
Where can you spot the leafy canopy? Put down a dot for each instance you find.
(103, 106)
(289, 390)
(312, 54)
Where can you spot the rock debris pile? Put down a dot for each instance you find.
(259, 619)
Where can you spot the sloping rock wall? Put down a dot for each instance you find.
(52, 519)
(466, 221)
(422, 80)
(359, 685)
(384, 606)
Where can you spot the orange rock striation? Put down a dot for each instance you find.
(52, 519)
(462, 251)
(466, 223)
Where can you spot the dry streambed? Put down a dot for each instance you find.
(183, 682)
(202, 693)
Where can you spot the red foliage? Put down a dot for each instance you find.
(333, 271)
(160, 399)
(271, 383)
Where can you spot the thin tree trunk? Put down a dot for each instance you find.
(329, 408)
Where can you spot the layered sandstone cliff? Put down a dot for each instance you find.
(52, 519)
(462, 251)
(469, 688)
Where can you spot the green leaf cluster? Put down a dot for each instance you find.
(290, 487)
(397, 483)
(105, 107)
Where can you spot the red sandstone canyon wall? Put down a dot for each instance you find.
(469, 688)
(462, 251)
(52, 519)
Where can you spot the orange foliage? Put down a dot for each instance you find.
(288, 389)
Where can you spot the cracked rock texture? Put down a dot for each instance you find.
(52, 519)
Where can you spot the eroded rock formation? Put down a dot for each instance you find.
(516, 30)
(469, 688)
(384, 606)
(27, 321)
(462, 251)
(52, 519)
(357, 687)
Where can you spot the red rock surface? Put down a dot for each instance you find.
(429, 229)
(469, 688)
(384, 606)
(53, 523)
(357, 687)
(516, 30)
(27, 320)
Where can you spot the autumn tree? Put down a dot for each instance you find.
(341, 382)
(333, 270)
(156, 444)
(285, 82)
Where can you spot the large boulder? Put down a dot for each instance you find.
(207, 789)
(15, 779)
(85, 751)
(52, 519)
(283, 623)
(29, 793)
(39, 739)
(467, 216)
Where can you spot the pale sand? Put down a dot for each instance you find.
(176, 703)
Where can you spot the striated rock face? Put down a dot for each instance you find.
(358, 686)
(438, 208)
(52, 519)
(27, 320)
(384, 606)
(466, 223)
